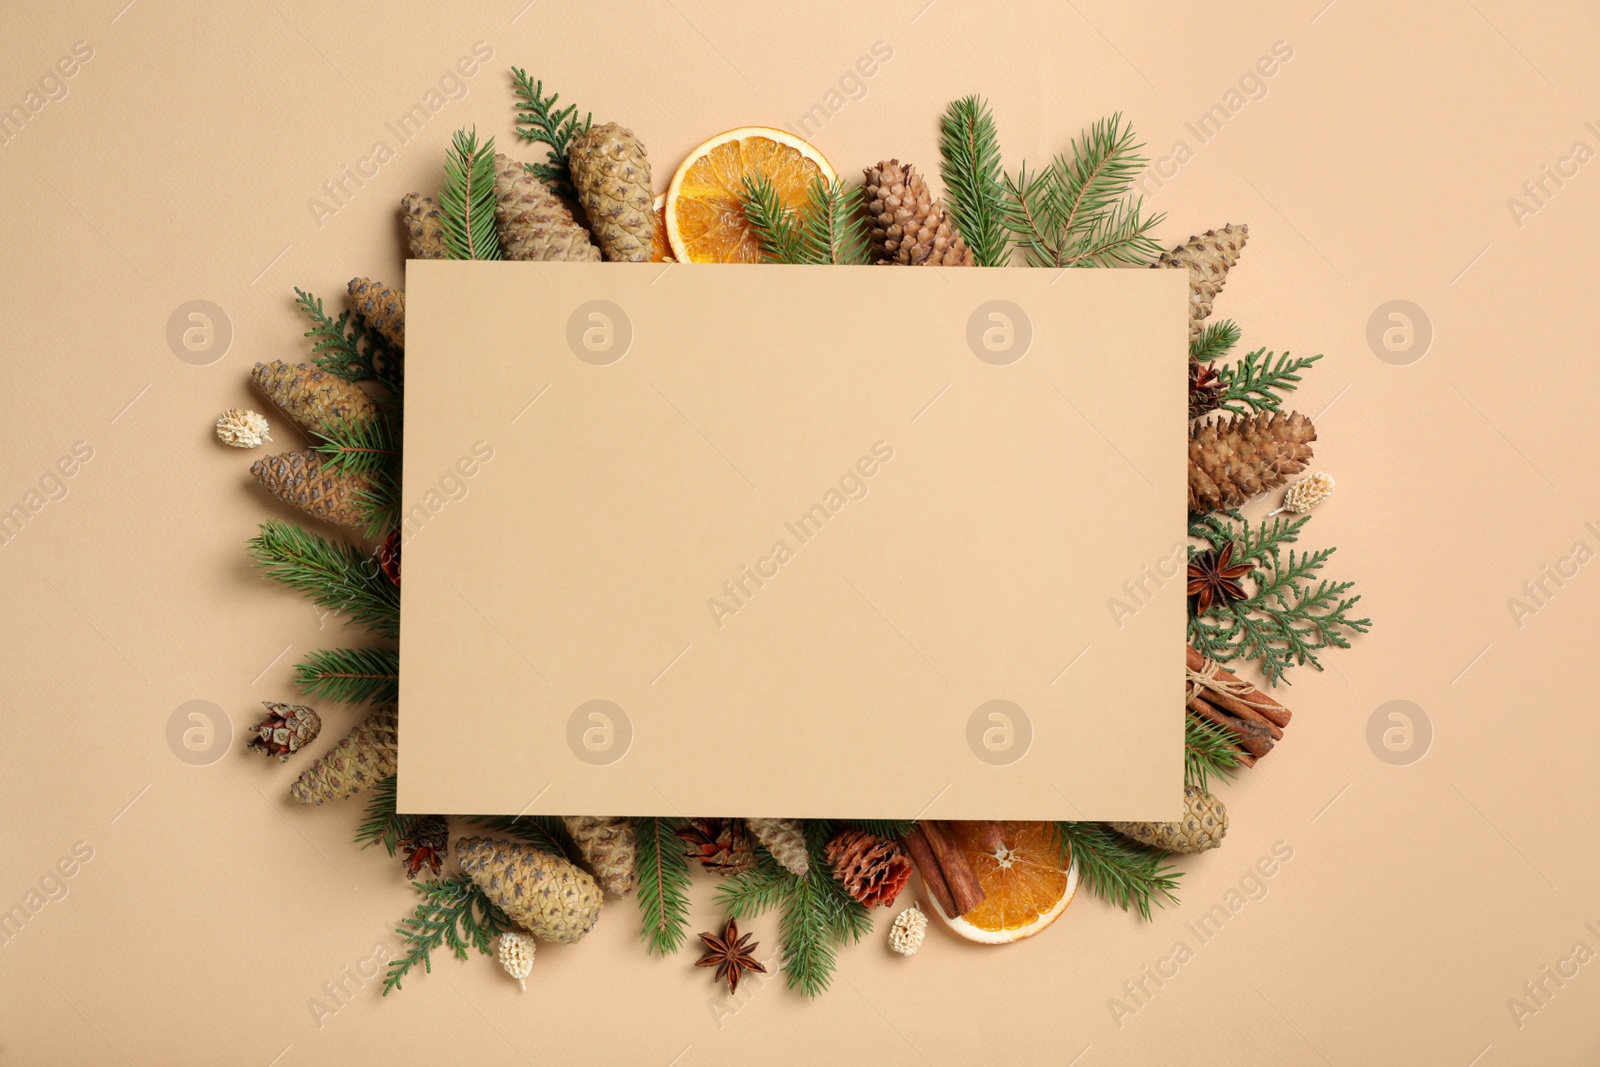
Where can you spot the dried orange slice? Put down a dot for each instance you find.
(705, 222)
(1025, 885)
(660, 247)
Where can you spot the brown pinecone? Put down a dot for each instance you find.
(1202, 828)
(1232, 460)
(310, 484)
(907, 226)
(872, 869)
(286, 729)
(1207, 257)
(786, 840)
(533, 224)
(721, 845)
(611, 172)
(383, 309)
(544, 894)
(1205, 388)
(367, 753)
(311, 396)
(424, 225)
(608, 846)
(427, 844)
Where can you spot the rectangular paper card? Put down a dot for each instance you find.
(799, 541)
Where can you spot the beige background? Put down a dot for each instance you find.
(1377, 167)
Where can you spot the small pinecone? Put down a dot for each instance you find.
(1307, 493)
(306, 481)
(286, 730)
(242, 428)
(909, 928)
(381, 308)
(1232, 460)
(786, 840)
(907, 226)
(608, 846)
(533, 224)
(1203, 826)
(389, 557)
(1205, 388)
(367, 754)
(872, 869)
(516, 956)
(310, 396)
(424, 225)
(721, 845)
(611, 172)
(1207, 257)
(427, 844)
(544, 894)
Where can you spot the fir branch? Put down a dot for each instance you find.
(776, 230)
(1215, 341)
(970, 166)
(544, 832)
(382, 824)
(757, 889)
(890, 828)
(380, 502)
(455, 913)
(1207, 749)
(806, 935)
(832, 229)
(661, 873)
(1124, 872)
(466, 200)
(1256, 382)
(848, 917)
(336, 576)
(363, 447)
(351, 675)
(343, 348)
(539, 121)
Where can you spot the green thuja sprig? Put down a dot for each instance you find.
(539, 121)
(453, 913)
(1123, 872)
(335, 575)
(466, 199)
(350, 675)
(661, 878)
(343, 347)
(1258, 380)
(970, 165)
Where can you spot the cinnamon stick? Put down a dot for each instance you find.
(922, 858)
(958, 873)
(1275, 712)
(1254, 738)
(1240, 710)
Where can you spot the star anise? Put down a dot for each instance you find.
(730, 954)
(427, 844)
(1214, 578)
(1205, 388)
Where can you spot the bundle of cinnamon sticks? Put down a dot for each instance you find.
(945, 871)
(1220, 697)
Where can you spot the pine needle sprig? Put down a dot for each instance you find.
(335, 575)
(773, 223)
(543, 832)
(382, 824)
(539, 121)
(833, 230)
(759, 888)
(1258, 380)
(1124, 872)
(1207, 749)
(466, 199)
(971, 167)
(362, 447)
(454, 913)
(1215, 341)
(380, 502)
(890, 828)
(661, 878)
(343, 347)
(351, 675)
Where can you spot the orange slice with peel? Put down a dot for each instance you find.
(1025, 885)
(705, 221)
(660, 247)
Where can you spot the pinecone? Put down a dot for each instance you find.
(533, 224)
(516, 956)
(286, 730)
(1203, 826)
(721, 845)
(242, 428)
(608, 846)
(907, 226)
(786, 840)
(427, 844)
(306, 481)
(383, 309)
(1232, 460)
(1205, 388)
(611, 172)
(908, 931)
(872, 869)
(310, 396)
(1207, 257)
(1307, 493)
(366, 754)
(424, 225)
(543, 894)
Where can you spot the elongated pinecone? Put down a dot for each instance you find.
(786, 840)
(306, 481)
(1232, 460)
(381, 308)
(286, 730)
(427, 844)
(533, 224)
(1207, 258)
(424, 225)
(907, 226)
(310, 396)
(544, 894)
(872, 869)
(611, 171)
(608, 846)
(721, 845)
(366, 754)
(1203, 826)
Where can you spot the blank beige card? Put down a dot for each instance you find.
(799, 541)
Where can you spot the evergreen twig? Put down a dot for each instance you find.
(1215, 341)
(832, 229)
(455, 913)
(362, 447)
(539, 121)
(466, 199)
(970, 166)
(544, 832)
(890, 828)
(1207, 749)
(343, 347)
(336, 576)
(661, 874)
(351, 675)
(1256, 381)
(382, 824)
(1124, 872)
(776, 230)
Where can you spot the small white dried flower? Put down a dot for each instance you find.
(242, 428)
(1307, 493)
(908, 930)
(516, 956)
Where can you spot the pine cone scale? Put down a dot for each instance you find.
(1234, 460)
